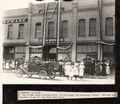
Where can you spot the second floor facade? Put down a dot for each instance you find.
(82, 21)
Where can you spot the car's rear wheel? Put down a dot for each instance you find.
(19, 72)
(43, 74)
(52, 74)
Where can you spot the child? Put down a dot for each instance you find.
(81, 70)
(76, 68)
(71, 71)
(67, 68)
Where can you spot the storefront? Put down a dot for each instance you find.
(13, 52)
(86, 50)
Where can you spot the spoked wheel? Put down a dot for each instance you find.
(19, 72)
(43, 74)
(52, 74)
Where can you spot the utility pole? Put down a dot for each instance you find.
(100, 13)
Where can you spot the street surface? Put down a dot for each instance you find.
(9, 77)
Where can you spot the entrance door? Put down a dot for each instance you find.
(50, 53)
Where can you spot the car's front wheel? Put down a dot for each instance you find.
(19, 72)
(43, 74)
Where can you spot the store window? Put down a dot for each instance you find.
(20, 51)
(38, 31)
(92, 27)
(64, 55)
(85, 50)
(109, 26)
(64, 29)
(35, 50)
(21, 31)
(10, 32)
(51, 33)
(81, 28)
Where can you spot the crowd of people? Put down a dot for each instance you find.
(11, 64)
(86, 68)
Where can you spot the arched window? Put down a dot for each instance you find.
(10, 31)
(92, 27)
(38, 30)
(64, 29)
(21, 31)
(81, 28)
(51, 30)
(109, 26)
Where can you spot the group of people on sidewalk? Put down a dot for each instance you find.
(87, 68)
(74, 70)
(10, 64)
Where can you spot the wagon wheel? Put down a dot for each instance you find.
(42, 74)
(52, 74)
(19, 72)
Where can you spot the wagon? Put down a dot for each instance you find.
(41, 69)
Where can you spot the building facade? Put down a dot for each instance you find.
(90, 27)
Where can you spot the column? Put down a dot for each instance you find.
(75, 30)
(100, 32)
(27, 56)
(100, 52)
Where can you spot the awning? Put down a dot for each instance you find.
(105, 43)
(36, 46)
(65, 48)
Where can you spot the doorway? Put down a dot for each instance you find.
(49, 53)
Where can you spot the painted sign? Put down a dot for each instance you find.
(15, 21)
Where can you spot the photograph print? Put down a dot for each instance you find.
(59, 42)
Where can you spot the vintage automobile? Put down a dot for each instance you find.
(41, 69)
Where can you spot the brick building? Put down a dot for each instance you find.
(89, 26)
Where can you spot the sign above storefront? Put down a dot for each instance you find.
(52, 40)
(15, 21)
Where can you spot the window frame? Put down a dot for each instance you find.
(19, 34)
(79, 28)
(106, 26)
(8, 34)
(64, 31)
(48, 35)
(40, 31)
(91, 27)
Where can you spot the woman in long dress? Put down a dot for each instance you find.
(81, 69)
(107, 69)
(76, 69)
(71, 71)
(67, 69)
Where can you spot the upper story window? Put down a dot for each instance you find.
(81, 28)
(92, 27)
(21, 31)
(109, 26)
(38, 31)
(51, 33)
(64, 29)
(10, 32)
